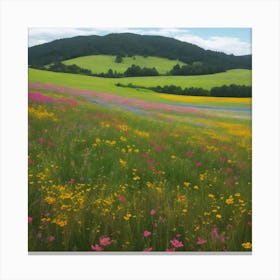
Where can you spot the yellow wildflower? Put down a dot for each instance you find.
(247, 245)
(136, 178)
(122, 162)
(50, 200)
(127, 216)
(229, 201)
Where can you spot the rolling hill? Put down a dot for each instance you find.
(102, 63)
(128, 44)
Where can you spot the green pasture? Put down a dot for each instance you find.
(102, 63)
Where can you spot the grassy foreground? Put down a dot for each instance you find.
(130, 177)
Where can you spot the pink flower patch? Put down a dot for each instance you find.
(176, 243)
(147, 233)
(96, 248)
(200, 241)
(30, 219)
(41, 140)
(148, 249)
(199, 163)
(153, 212)
(104, 241)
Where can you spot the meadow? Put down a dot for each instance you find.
(119, 169)
(102, 63)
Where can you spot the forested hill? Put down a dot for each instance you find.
(128, 44)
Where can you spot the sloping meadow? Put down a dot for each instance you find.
(107, 173)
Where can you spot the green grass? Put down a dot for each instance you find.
(102, 63)
(107, 85)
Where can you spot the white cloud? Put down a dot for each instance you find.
(228, 45)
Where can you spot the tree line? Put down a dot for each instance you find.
(221, 91)
(196, 68)
(132, 71)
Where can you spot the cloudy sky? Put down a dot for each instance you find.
(235, 41)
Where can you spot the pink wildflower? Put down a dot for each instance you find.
(229, 226)
(148, 249)
(200, 241)
(176, 243)
(41, 140)
(229, 170)
(51, 238)
(214, 233)
(50, 144)
(121, 198)
(147, 233)
(104, 241)
(153, 212)
(30, 219)
(96, 247)
(170, 250)
(161, 219)
(189, 153)
(199, 163)
(222, 159)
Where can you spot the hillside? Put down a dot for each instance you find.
(109, 85)
(128, 44)
(102, 63)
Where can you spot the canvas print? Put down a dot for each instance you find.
(139, 140)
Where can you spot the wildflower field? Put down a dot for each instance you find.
(146, 172)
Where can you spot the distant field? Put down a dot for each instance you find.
(236, 76)
(102, 63)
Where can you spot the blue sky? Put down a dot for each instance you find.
(235, 41)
